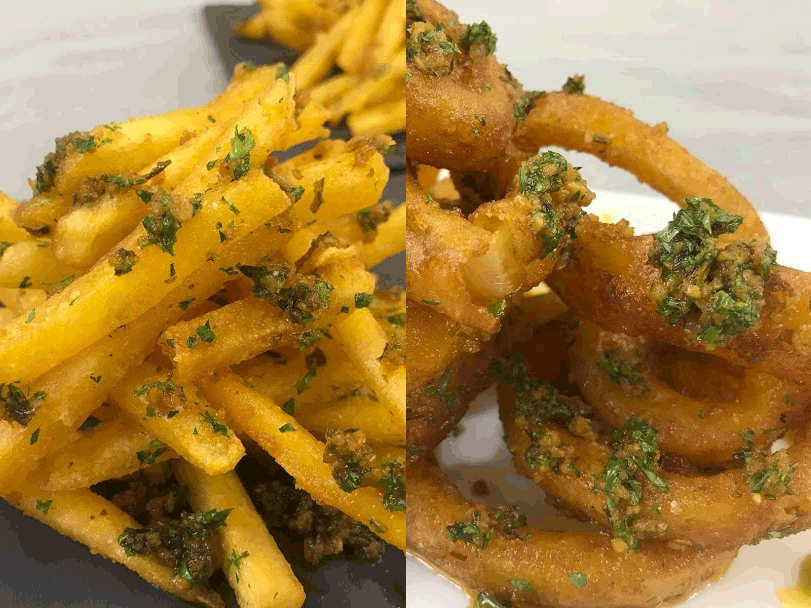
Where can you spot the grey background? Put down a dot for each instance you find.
(72, 65)
(731, 79)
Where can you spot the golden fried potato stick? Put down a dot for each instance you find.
(332, 89)
(100, 301)
(604, 579)
(589, 124)
(136, 143)
(10, 232)
(255, 567)
(310, 126)
(391, 77)
(176, 415)
(354, 57)
(67, 394)
(317, 61)
(375, 241)
(337, 177)
(384, 118)
(97, 523)
(87, 232)
(365, 343)
(300, 454)
(362, 413)
(390, 33)
(251, 326)
(31, 263)
(21, 301)
(111, 450)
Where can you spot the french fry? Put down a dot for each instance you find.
(251, 326)
(10, 232)
(73, 389)
(391, 77)
(364, 343)
(317, 61)
(21, 301)
(329, 91)
(113, 449)
(354, 56)
(310, 123)
(100, 301)
(300, 454)
(391, 32)
(181, 419)
(362, 413)
(140, 142)
(31, 263)
(337, 177)
(252, 562)
(97, 523)
(40, 213)
(86, 233)
(374, 244)
(385, 118)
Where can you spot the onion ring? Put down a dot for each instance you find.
(562, 451)
(459, 99)
(469, 266)
(589, 124)
(538, 570)
(615, 375)
(608, 280)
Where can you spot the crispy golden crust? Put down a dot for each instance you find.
(546, 560)
(612, 133)
(701, 407)
(608, 280)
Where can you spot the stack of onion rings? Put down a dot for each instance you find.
(667, 405)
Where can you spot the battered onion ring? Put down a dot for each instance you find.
(608, 280)
(448, 368)
(715, 511)
(589, 124)
(546, 560)
(464, 118)
(449, 365)
(465, 266)
(707, 429)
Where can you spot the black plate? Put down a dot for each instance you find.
(39, 568)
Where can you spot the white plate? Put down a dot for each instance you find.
(479, 452)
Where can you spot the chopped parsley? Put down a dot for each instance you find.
(287, 428)
(44, 505)
(578, 580)
(362, 300)
(150, 455)
(574, 85)
(34, 437)
(240, 154)
(485, 601)
(216, 425)
(721, 288)
(623, 371)
(283, 72)
(303, 384)
(161, 226)
(235, 561)
(289, 406)
(17, 405)
(497, 309)
(479, 35)
(520, 585)
(205, 334)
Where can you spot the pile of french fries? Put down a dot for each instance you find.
(364, 39)
(143, 284)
